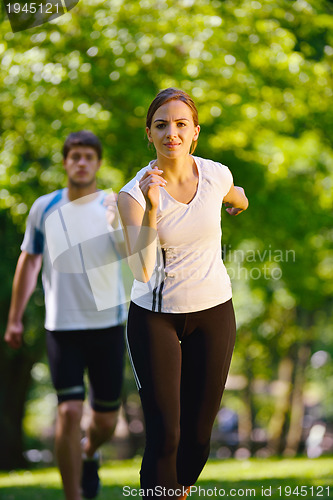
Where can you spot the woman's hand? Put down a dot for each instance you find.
(232, 210)
(236, 200)
(149, 184)
(112, 215)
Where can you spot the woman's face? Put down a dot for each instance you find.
(172, 129)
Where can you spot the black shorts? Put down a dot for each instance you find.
(101, 352)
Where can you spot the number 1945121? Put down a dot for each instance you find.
(302, 491)
(32, 8)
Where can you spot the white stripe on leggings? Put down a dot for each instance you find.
(137, 381)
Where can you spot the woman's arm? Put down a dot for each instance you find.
(236, 200)
(140, 226)
(113, 221)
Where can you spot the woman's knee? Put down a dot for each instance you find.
(171, 441)
(165, 440)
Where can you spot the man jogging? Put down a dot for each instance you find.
(76, 234)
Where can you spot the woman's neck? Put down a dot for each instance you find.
(177, 170)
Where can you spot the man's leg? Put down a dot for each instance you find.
(68, 447)
(105, 362)
(66, 361)
(100, 430)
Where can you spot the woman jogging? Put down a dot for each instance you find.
(181, 326)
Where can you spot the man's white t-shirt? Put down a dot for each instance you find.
(81, 266)
(189, 274)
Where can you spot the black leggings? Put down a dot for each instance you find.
(180, 363)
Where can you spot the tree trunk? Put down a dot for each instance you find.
(245, 424)
(246, 416)
(15, 366)
(277, 423)
(297, 404)
(15, 377)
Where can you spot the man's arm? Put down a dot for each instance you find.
(24, 283)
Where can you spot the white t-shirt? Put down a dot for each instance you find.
(81, 266)
(189, 274)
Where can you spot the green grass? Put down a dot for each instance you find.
(231, 478)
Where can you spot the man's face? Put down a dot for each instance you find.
(81, 165)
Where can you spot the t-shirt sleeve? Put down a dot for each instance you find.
(133, 188)
(225, 178)
(33, 241)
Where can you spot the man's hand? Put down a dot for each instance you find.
(14, 334)
(24, 283)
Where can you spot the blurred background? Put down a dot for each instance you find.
(261, 75)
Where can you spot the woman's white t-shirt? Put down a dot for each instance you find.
(189, 274)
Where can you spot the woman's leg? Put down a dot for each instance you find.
(155, 353)
(207, 346)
